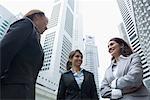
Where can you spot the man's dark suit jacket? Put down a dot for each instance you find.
(21, 60)
(69, 89)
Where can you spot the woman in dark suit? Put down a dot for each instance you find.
(123, 78)
(76, 83)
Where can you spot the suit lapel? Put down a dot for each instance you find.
(74, 81)
(110, 74)
(85, 78)
(122, 66)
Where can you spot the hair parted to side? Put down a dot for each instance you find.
(72, 53)
(125, 48)
(34, 12)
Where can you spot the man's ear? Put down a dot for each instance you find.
(37, 16)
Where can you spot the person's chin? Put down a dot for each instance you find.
(112, 54)
(79, 64)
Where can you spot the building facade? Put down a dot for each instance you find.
(141, 9)
(91, 61)
(135, 14)
(78, 31)
(6, 18)
(123, 33)
(57, 44)
(78, 42)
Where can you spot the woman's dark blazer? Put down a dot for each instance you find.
(69, 89)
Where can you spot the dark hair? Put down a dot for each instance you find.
(125, 48)
(68, 65)
(72, 53)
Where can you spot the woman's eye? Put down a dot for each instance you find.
(110, 44)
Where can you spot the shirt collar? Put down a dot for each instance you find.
(37, 32)
(81, 70)
(120, 58)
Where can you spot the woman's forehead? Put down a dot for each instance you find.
(112, 42)
(77, 53)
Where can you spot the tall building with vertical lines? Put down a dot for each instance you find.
(78, 30)
(135, 14)
(123, 32)
(57, 44)
(141, 9)
(6, 18)
(91, 61)
(78, 42)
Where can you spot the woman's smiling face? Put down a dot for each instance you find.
(114, 48)
(77, 59)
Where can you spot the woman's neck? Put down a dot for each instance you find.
(76, 68)
(117, 58)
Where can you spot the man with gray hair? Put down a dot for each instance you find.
(22, 56)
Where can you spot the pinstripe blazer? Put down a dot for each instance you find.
(129, 79)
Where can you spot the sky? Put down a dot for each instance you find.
(101, 19)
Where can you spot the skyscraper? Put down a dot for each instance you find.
(78, 34)
(57, 44)
(135, 14)
(141, 9)
(6, 18)
(78, 30)
(123, 32)
(91, 61)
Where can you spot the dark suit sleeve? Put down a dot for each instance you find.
(61, 89)
(94, 95)
(12, 42)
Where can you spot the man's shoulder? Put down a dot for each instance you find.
(23, 21)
